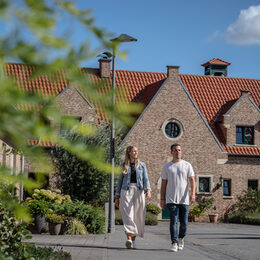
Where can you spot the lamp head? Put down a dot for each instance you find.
(124, 38)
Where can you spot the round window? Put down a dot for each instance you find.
(172, 128)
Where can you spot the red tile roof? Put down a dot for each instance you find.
(216, 61)
(213, 95)
(22, 73)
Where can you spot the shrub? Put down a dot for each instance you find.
(37, 207)
(154, 209)
(49, 196)
(242, 218)
(151, 219)
(45, 253)
(80, 179)
(93, 218)
(76, 227)
(249, 201)
(198, 210)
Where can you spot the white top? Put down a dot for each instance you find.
(177, 175)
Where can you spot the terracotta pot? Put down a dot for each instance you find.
(213, 217)
(54, 228)
(40, 223)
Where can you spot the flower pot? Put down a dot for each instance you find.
(40, 223)
(63, 229)
(54, 228)
(213, 218)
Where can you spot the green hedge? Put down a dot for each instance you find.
(243, 218)
(150, 219)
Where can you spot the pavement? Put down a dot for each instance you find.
(203, 241)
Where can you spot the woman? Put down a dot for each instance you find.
(132, 187)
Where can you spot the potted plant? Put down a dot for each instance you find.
(55, 222)
(213, 217)
(199, 210)
(38, 209)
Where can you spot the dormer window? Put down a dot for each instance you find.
(245, 135)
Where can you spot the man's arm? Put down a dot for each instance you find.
(192, 185)
(163, 189)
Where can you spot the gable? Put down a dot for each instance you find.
(73, 103)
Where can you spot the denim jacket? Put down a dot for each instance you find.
(141, 178)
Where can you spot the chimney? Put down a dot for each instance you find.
(245, 93)
(173, 72)
(104, 67)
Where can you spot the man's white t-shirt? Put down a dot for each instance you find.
(177, 175)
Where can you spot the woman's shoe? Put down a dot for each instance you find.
(129, 244)
(134, 244)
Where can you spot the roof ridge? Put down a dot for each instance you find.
(217, 77)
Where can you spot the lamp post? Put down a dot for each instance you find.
(111, 212)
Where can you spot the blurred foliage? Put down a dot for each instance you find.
(80, 179)
(12, 232)
(31, 35)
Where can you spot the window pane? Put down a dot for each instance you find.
(226, 188)
(245, 135)
(172, 130)
(204, 184)
(248, 135)
(239, 139)
(253, 184)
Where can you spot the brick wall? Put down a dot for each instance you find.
(198, 144)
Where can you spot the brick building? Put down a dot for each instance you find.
(214, 117)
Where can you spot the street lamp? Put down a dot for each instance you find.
(111, 212)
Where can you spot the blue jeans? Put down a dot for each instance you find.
(178, 212)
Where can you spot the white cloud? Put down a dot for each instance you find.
(246, 29)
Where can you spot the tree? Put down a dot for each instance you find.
(80, 179)
(31, 37)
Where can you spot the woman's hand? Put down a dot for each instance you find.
(117, 202)
(148, 194)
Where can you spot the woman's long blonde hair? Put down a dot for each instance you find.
(127, 159)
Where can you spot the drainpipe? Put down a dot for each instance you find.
(22, 172)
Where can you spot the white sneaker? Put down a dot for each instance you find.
(129, 244)
(134, 244)
(181, 244)
(174, 247)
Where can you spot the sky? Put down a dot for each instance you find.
(186, 33)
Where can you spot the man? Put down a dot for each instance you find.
(176, 176)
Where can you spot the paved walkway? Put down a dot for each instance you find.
(203, 241)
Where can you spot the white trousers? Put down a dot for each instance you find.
(132, 207)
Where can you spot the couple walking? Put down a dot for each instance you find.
(133, 186)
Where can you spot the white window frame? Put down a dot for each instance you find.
(211, 184)
(176, 121)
